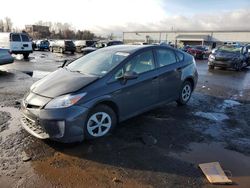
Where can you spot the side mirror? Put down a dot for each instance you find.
(130, 75)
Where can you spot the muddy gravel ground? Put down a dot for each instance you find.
(160, 148)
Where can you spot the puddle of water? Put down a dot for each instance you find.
(229, 104)
(237, 163)
(14, 122)
(212, 116)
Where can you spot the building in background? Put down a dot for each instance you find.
(37, 31)
(179, 38)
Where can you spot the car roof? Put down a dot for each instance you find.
(128, 48)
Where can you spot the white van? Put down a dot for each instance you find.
(17, 43)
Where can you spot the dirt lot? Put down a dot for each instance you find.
(161, 148)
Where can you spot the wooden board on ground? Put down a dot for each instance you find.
(214, 173)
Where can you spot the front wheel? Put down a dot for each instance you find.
(238, 66)
(185, 93)
(100, 122)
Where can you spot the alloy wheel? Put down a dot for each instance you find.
(186, 92)
(99, 124)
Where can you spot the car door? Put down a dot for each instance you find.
(135, 95)
(26, 43)
(16, 43)
(169, 74)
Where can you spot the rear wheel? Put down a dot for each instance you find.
(26, 56)
(72, 52)
(185, 93)
(203, 56)
(210, 67)
(61, 50)
(100, 122)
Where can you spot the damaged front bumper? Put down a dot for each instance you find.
(63, 125)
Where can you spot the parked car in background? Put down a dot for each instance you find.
(42, 45)
(79, 44)
(90, 96)
(17, 43)
(100, 44)
(5, 57)
(185, 48)
(140, 43)
(199, 52)
(63, 46)
(230, 56)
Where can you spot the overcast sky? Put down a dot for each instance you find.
(103, 16)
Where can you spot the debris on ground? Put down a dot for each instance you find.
(214, 173)
(116, 180)
(25, 157)
(148, 140)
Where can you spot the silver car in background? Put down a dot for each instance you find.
(5, 57)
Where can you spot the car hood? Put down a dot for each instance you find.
(61, 82)
(226, 55)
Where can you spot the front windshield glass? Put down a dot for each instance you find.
(230, 49)
(98, 63)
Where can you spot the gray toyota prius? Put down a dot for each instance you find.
(87, 98)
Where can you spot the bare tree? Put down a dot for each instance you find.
(1, 25)
(7, 24)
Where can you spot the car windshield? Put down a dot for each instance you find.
(230, 49)
(98, 63)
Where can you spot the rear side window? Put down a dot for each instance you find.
(180, 56)
(25, 38)
(165, 57)
(15, 38)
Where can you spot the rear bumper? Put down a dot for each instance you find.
(22, 52)
(63, 125)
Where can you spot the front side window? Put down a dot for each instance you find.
(141, 63)
(165, 57)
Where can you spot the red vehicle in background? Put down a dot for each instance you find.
(199, 52)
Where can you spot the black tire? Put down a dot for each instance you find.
(238, 66)
(72, 52)
(99, 109)
(210, 67)
(26, 56)
(61, 51)
(184, 98)
(203, 57)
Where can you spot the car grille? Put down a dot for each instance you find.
(34, 127)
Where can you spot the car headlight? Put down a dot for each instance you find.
(64, 101)
(212, 57)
